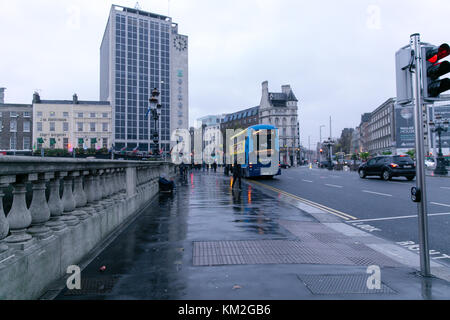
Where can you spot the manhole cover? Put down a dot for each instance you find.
(93, 286)
(342, 284)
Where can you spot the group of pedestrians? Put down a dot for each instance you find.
(236, 171)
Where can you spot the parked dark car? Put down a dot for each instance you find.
(387, 167)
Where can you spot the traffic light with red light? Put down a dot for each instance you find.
(432, 70)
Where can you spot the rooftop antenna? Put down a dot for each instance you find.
(137, 6)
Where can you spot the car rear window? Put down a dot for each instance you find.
(402, 159)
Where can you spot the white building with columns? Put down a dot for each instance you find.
(280, 109)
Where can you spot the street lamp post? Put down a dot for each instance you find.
(329, 143)
(439, 127)
(155, 109)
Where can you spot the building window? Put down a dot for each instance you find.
(105, 143)
(13, 126)
(13, 142)
(105, 115)
(26, 143)
(13, 114)
(80, 115)
(93, 115)
(52, 114)
(92, 124)
(80, 127)
(39, 126)
(52, 127)
(39, 113)
(26, 126)
(26, 114)
(65, 126)
(65, 114)
(66, 143)
(105, 127)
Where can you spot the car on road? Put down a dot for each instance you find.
(387, 167)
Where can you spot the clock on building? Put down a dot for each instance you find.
(180, 43)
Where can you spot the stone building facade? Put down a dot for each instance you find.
(382, 129)
(280, 109)
(61, 124)
(364, 137)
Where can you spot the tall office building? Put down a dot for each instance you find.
(141, 51)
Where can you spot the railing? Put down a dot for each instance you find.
(97, 197)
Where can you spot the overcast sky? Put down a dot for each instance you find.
(338, 56)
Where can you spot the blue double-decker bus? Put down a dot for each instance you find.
(257, 149)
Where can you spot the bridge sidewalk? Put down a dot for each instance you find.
(207, 241)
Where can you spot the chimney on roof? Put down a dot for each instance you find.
(36, 97)
(75, 99)
(286, 89)
(2, 95)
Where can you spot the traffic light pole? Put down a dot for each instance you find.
(420, 161)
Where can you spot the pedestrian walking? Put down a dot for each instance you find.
(237, 174)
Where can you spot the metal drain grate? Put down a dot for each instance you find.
(342, 284)
(93, 286)
(215, 253)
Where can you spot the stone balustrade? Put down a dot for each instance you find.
(38, 242)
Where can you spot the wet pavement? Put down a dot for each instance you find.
(207, 241)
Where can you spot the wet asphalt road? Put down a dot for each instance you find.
(383, 208)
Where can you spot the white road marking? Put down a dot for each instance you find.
(448, 188)
(307, 181)
(440, 204)
(378, 193)
(400, 217)
(333, 186)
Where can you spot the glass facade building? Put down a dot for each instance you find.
(139, 53)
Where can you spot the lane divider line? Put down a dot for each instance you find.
(333, 186)
(378, 193)
(440, 204)
(337, 213)
(400, 217)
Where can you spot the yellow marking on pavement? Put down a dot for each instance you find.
(337, 213)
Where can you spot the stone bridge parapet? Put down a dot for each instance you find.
(75, 205)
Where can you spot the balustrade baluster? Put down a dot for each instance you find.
(39, 209)
(4, 225)
(19, 217)
(69, 202)
(55, 205)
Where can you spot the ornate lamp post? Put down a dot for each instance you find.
(439, 127)
(155, 109)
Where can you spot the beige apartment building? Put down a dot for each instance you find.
(66, 124)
